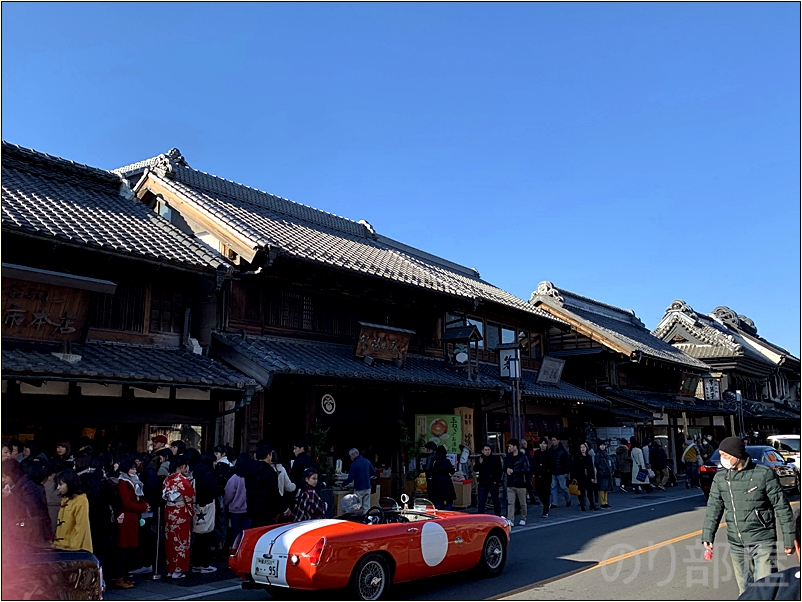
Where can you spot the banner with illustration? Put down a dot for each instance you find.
(441, 429)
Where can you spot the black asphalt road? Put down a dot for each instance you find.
(652, 552)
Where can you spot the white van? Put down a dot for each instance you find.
(787, 445)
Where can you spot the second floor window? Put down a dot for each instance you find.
(166, 310)
(124, 310)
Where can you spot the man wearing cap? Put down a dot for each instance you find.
(158, 442)
(750, 497)
(359, 473)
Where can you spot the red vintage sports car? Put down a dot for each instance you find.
(388, 545)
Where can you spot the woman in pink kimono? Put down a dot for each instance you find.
(179, 496)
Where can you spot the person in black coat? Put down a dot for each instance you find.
(489, 471)
(659, 462)
(207, 491)
(25, 516)
(441, 487)
(584, 473)
(301, 463)
(261, 489)
(543, 470)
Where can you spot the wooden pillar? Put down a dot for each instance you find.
(310, 409)
(732, 425)
(685, 425)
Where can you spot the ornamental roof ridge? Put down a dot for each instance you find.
(22, 158)
(566, 298)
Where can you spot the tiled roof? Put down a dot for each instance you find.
(280, 355)
(562, 390)
(124, 363)
(308, 234)
(54, 198)
(669, 401)
(621, 325)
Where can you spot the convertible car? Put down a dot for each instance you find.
(367, 554)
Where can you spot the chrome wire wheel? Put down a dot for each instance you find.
(371, 580)
(494, 552)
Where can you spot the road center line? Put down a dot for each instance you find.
(211, 592)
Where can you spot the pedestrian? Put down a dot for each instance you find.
(711, 441)
(441, 487)
(359, 474)
(594, 487)
(604, 474)
(163, 458)
(777, 586)
(179, 448)
(431, 447)
(753, 504)
(543, 471)
(52, 470)
(562, 470)
(706, 450)
(531, 498)
(34, 462)
(235, 497)
(516, 465)
(207, 491)
(309, 506)
(179, 496)
(25, 516)
(351, 508)
(130, 505)
(6, 452)
(286, 488)
(16, 450)
(659, 461)
(624, 461)
(64, 453)
(261, 489)
(157, 443)
(690, 457)
(301, 463)
(640, 474)
(101, 495)
(489, 473)
(584, 473)
(73, 531)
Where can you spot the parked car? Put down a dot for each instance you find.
(368, 554)
(786, 471)
(787, 445)
(47, 574)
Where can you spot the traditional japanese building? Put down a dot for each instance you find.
(106, 308)
(756, 379)
(349, 328)
(654, 388)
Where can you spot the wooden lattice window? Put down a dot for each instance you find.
(124, 310)
(166, 310)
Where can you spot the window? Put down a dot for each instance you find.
(492, 336)
(481, 328)
(166, 310)
(507, 335)
(124, 310)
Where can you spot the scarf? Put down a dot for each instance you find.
(135, 482)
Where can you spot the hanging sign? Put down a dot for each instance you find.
(328, 404)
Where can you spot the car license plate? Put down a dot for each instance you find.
(267, 567)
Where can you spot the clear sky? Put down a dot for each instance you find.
(632, 153)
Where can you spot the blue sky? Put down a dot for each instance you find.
(633, 153)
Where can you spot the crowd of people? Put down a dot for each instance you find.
(545, 472)
(123, 505)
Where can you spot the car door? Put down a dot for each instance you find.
(433, 547)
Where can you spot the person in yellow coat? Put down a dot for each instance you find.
(72, 529)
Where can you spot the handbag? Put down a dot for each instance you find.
(651, 473)
(573, 488)
(642, 476)
(204, 518)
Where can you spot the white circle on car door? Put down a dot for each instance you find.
(434, 543)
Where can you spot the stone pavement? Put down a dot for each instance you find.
(196, 586)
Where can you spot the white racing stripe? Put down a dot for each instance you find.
(278, 542)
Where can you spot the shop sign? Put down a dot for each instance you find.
(42, 311)
(382, 342)
(440, 429)
(551, 370)
(328, 404)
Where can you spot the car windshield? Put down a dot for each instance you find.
(787, 445)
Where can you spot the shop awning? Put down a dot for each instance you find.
(562, 391)
(669, 402)
(266, 357)
(127, 364)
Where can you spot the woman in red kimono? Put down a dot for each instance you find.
(179, 496)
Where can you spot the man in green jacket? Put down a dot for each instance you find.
(752, 500)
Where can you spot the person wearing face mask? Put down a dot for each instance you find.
(712, 442)
(751, 499)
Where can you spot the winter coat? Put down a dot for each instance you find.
(489, 470)
(440, 487)
(235, 497)
(604, 470)
(222, 472)
(102, 496)
(360, 472)
(707, 450)
(261, 489)
(35, 467)
(130, 505)
(583, 471)
(520, 469)
(752, 502)
(638, 463)
(310, 506)
(777, 586)
(206, 487)
(623, 459)
(542, 465)
(73, 531)
(562, 459)
(690, 452)
(27, 504)
(302, 462)
(658, 457)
